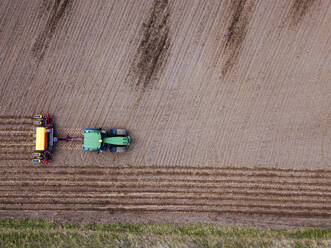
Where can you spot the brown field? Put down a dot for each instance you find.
(228, 103)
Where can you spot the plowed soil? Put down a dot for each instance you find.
(227, 102)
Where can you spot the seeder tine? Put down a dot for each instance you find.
(37, 123)
(37, 116)
(36, 154)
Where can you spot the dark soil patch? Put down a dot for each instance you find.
(153, 48)
(299, 9)
(236, 33)
(58, 8)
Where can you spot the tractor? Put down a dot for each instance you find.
(94, 139)
(97, 140)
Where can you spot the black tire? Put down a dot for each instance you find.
(121, 149)
(118, 132)
(118, 149)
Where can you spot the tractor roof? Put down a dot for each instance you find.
(92, 140)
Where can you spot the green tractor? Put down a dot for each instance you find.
(97, 140)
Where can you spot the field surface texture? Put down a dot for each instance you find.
(228, 104)
(36, 233)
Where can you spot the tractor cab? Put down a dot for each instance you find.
(93, 140)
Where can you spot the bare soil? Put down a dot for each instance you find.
(227, 102)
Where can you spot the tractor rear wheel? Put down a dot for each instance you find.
(118, 149)
(118, 132)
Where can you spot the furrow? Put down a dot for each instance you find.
(153, 185)
(14, 153)
(195, 198)
(123, 171)
(13, 144)
(184, 209)
(197, 168)
(246, 190)
(11, 122)
(224, 193)
(13, 159)
(167, 182)
(16, 117)
(16, 134)
(15, 150)
(106, 203)
(15, 129)
(16, 139)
